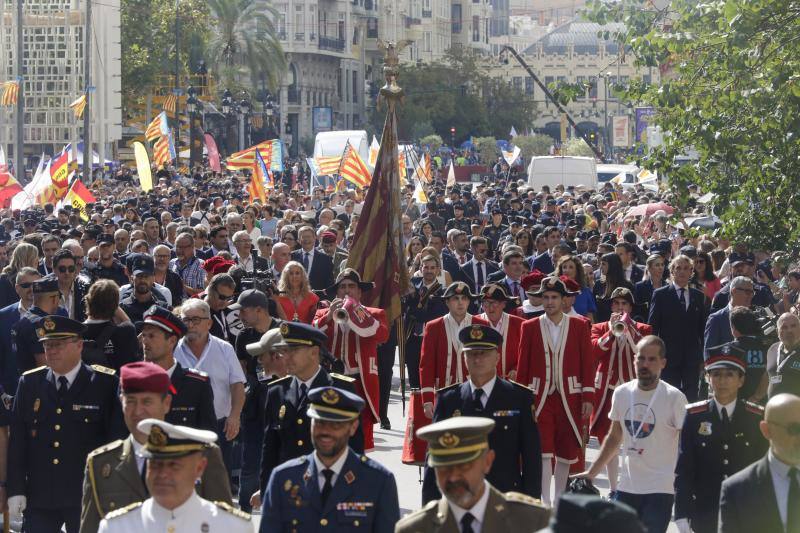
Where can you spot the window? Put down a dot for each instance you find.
(426, 41)
(356, 86)
(476, 29)
(593, 87)
(529, 86)
(455, 17)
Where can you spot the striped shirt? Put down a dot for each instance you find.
(192, 274)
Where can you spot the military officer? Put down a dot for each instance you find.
(459, 452)
(494, 230)
(114, 475)
(192, 398)
(61, 412)
(176, 458)
(720, 436)
(515, 438)
(333, 485)
(287, 433)
(46, 297)
(458, 220)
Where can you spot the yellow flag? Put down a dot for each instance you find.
(143, 166)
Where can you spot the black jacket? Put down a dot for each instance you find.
(193, 399)
(747, 502)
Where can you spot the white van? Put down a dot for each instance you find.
(332, 143)
(562, 170)
(608, 172)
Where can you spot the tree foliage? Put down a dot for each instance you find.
(731, 92)
(148, 42)
(576, 147)
(486, 148)
(533, 145)
(457, 93)
(434, 142)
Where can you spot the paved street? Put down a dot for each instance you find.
(389, 446)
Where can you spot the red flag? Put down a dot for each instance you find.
(213, 153)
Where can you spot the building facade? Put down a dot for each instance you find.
(53, 62)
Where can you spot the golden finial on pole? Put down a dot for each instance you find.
(391, 92)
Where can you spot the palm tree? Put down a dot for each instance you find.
(244, 45)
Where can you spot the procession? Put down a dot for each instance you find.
(434, 310)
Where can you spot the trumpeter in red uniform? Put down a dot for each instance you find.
(555, 360)
(493, 300)
(615, 353)
(355, 341)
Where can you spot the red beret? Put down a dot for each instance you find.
(328, 237)
(533, 279)
(216, 265)
(144, 376)
(571, 284)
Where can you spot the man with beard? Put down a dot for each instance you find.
(333, 484)
(647, 416)
(142, 279)
(458, 451)
(108, 267)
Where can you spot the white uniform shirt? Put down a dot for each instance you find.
(196, 514)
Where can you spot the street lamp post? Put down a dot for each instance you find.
(243, 111)
(606, 138)
(227, 111)
(195, 151)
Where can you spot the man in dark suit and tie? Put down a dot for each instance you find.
(546, 262)
(718, 325)
(317, 264)
(219, 242)
(511, 277)
(515, 438)
(475, 271)
(627, 254)
(9, 316)
(765, 496)
(677, 314)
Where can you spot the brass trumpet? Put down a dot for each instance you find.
(619, 326)
(340, 316)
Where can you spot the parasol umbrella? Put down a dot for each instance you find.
(647, 210)
(704, 222)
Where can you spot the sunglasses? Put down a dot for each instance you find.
(194, 320)
(64, 270)
(225, 297)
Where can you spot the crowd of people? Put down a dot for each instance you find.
(182, 356)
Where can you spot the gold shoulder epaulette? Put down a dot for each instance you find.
(278, 380)
(104, 370)
(228, 508)
(108, 447)
(342, 377)
(448, 387)
(34, 370)
(520, 385)
(519, 497)
(122, 510)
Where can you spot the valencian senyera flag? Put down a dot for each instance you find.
(271, 152)
(9, 94)
(78, 106)
(376, 252)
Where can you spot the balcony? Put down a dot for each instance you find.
(329, 43)
(300, 37)
(427, 13)
(410, 21)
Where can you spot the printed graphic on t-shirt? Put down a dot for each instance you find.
(641, 423)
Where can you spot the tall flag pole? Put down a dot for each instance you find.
(377, 250)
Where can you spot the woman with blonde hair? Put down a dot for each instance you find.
(295, 297)
(24, 255)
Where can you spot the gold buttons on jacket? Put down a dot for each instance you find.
(55, 461)
(323, 522)
(299, 443)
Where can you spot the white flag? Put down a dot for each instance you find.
(419, 194)
(373, 152)
(511, 156)
(619, 179)
(38, 185)
(512, 133)
(451, 175)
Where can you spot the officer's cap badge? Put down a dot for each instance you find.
(330, 396)
(476, 333)
(48, 324)
(284, 329)
(157, 438)
(449, 440)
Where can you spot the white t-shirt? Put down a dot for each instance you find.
(651, 428)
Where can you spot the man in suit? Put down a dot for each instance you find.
(61, 412)
(24, 342)
(627, 254)
(677, 315)
(333, 485)
(245, 256)
(192, 401)
(218, 235)
(9, 316)
(546, 262)
(515, 438)
(718, 325)
(317, 264)
(72, 288)
(287, 434)
(477, 270)
(461, 456)
(513, 269)
(762, 295)
(329, 246)
(765, 496)
(114, 472)
(720, 436)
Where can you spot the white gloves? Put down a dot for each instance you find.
(683, 525)
(16, 505)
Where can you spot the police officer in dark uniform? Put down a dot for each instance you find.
(287, 435)
(471, 207)
(494, 230)
(333, 485)
(515, 437)
(720, 436)
(23, 334)
(141, 298)
(108, 267)
(458, 221)
(192, 397)
(61, 413)
(421, 305)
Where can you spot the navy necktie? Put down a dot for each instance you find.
(327, 486)
(682, 297)
(63, 385)
(479, 279)
(477, 399)
(466, 523)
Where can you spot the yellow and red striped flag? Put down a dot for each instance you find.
(354, 169)
(256, 187)
(78, 106)
(10, 93)
(161, 151)
(328, 166)
(59, 173)
(170, 103)
(157, 127)
(270, 151)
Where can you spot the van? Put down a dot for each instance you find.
(562, 170)
(608, 172)
(332, 143)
